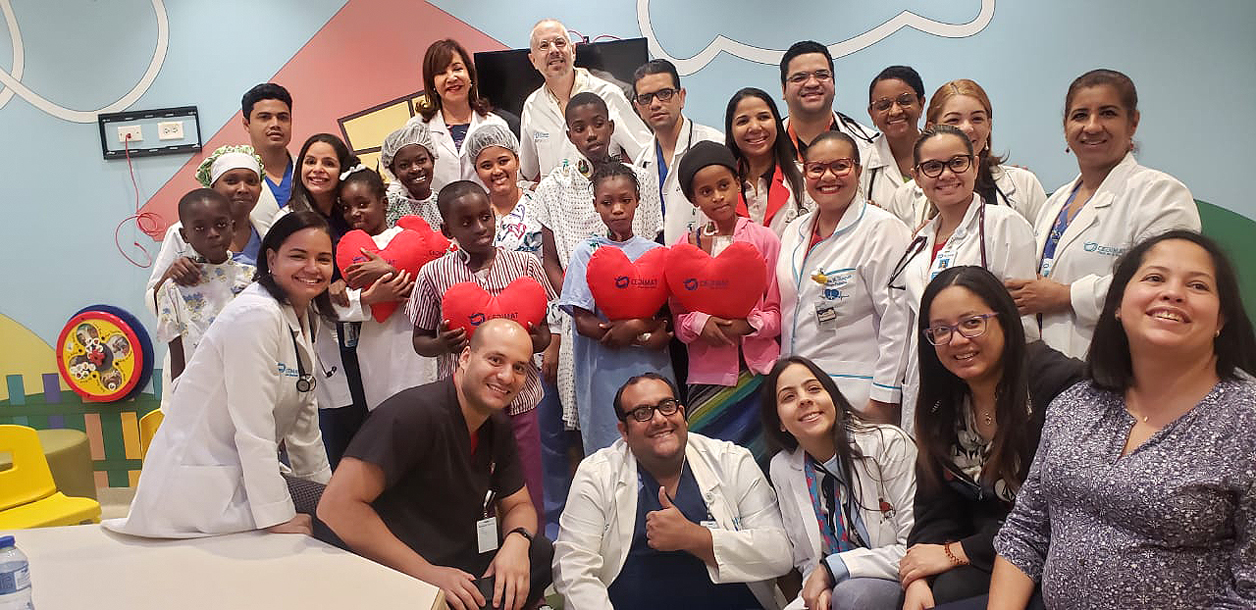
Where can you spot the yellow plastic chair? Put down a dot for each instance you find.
(28, 495)
(148, 429)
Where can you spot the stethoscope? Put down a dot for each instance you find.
(846, 508)
(306, 382)
(917, 245)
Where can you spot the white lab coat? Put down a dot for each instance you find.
(1018, 189)
(452, 163)
(887, 474)
(1009, 255)
(881, 177)
(679, 215)
(213, 467)
(862, 349)
(597, 525)
(543, 142)
(1132, 204)
(386, 356)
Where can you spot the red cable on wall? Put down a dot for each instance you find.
(149, 223)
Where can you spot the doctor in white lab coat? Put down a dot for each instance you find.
(966, 231)
(451, 101)
(896, 100)
(836, 306)
(877, 463)
(213, 467)
(597, 527)
(1088, 223)
(673, 132)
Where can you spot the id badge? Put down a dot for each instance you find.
(349, 334)
(486, 534)
(710, 524)
(944, 262)
(1047, 264)
(826, 316)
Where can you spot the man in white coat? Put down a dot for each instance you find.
(543, 142)
(809, 88)
(667, 519)
(660, 100)
(267, 112)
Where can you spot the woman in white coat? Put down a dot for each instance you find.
(966, 231)
(964, 104)
(1088, 223)
(845, 489)
(896, 99)
(772, 192)
(834, 271)
(451, 108)
(214, 467)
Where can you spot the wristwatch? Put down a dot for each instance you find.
(522, 532)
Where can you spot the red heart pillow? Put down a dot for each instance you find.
(726, 286)
(625, 289)
(467, 305)
(408, 250)
(437, 243)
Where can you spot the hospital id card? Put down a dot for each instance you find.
(826, 316)
(486, 534)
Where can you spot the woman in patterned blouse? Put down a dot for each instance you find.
(983, 393)
(1143, 491)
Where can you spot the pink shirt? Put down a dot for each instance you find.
(719, 364)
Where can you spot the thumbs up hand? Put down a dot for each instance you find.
(668, 529)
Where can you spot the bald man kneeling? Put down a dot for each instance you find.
(417, 487)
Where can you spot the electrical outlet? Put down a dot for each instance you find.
(133, 131)
(170, 130)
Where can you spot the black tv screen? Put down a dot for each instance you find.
(507, 77)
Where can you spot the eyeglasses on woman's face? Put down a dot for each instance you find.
(957, 164)
(970, 326)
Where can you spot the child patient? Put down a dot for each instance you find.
(184, 313)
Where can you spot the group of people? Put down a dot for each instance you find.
(954, 390)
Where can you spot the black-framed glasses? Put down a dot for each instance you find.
(839, 167)
(665, 95)
(799, 78)
(958, 165)
(644, 413)
(971, 326)
(906, 100)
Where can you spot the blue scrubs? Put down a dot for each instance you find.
(672, 579)
(283, 190)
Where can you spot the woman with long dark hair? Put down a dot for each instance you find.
(845, 489)
(772, 190)
(1143, 490)
(214, 467)
(983, 393)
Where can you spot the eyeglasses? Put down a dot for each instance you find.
(840, 167)
(958, 164)
(665, 95)
(906, 100)
(644, 413)
(798, 78)
(972, 326)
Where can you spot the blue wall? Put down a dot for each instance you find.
(1191, 61)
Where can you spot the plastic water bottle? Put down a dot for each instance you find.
(15, 577)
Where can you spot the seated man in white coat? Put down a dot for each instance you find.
(543, 143)
(660, 100)
(668, 519)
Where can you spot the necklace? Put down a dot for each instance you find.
(1135, 415)
(988, 417)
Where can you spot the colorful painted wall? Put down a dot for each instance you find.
(68, 236)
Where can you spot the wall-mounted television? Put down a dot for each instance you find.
(507, 77)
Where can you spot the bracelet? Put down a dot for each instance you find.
(949, 555)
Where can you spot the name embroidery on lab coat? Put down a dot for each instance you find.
(286, 371)
(1097, 248)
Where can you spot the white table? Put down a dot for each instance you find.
(87, 567)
